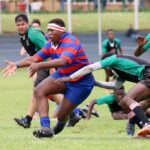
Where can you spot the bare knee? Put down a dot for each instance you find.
(38, 93)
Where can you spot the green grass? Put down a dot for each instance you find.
(97, 134)
(85, 22)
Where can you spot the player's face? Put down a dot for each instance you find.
(119, 94)
(54, 35)
(36, 25)
(111, 35)
(22, 26)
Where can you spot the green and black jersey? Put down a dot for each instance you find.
(33, 40)
(146, 47)
(110, 100)
(108, 45)
(126, 67)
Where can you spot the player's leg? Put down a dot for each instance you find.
(119, 115)
(138, 93)
(74, 94)
(26, 121)
(64, 111)
(45, 88)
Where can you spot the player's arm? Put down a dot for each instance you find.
(90, 108)
(120, 47)
(140, 49)
(66, 58)
(12, 66)
(108, 99)
(104, 48)
(49, 64)
(109, 85)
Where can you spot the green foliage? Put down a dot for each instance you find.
(97, 134)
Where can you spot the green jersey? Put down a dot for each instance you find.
(147, 45)
(108, 45)
(33, 40)
(110, 100)
(125, 67)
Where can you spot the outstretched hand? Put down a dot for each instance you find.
(141, 40)
(34, 67)
(63, 79)
(9, 69)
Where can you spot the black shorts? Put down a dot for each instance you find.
(41, 75)
(146, 79)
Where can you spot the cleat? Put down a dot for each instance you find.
(73, 121)
(144, 131)
(22, 122)
(44, 132)
(130, 129)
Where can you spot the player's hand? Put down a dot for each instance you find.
(34, 67)
(141, 40)
(63, 79)
(10, 69)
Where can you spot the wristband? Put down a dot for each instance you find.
(17, 65)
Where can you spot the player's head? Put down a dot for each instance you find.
(110, 34)
(22, 23)
(119, 93)
(36, 24)
(55, 27)
(108, 54)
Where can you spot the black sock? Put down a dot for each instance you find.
(59, 126)
(135, 120)
(140, 115)
(29, 118)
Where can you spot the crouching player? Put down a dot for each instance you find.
(112, 100)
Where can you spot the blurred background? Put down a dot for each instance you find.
(13, 6)
(87, 19)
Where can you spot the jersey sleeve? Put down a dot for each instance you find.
(108, 62)
(109, 99)
(104, 49)
(37, 38)
(44, 53)
(147, 45)
(70, 51)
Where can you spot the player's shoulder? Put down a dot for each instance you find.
(105, 41)
(33, 32)
(117, 40)
(148, 36)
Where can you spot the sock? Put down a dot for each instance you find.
(59, 126)
(29, 118)
(60, 123)
(135, 120)
(139, 113)
(45, 122)
(77, 111)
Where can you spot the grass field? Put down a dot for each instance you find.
(97, 134)
(85, 22)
